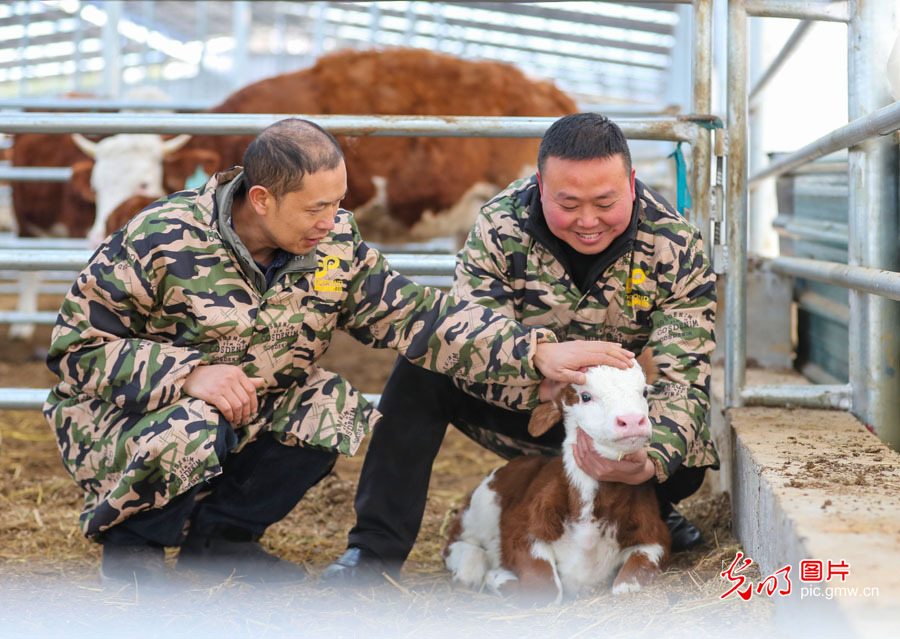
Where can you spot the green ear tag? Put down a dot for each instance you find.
(197, 179)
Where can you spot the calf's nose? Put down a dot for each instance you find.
(632, 425)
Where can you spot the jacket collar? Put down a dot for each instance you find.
(213, 205)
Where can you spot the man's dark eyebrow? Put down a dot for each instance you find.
(324, 202)
(603, 196)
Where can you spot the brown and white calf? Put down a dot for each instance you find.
(542, 528)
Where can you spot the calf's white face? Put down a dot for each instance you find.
(610, 408)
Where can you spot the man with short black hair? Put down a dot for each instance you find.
(586, 250)
(190, 409)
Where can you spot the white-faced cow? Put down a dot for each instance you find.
(399, 187)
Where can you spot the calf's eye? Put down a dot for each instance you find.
(586, 397)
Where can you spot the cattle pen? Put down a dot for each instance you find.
(810, 470)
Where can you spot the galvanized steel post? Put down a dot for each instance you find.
(112, 49)
(736, 206)
(874, 353)
(701, 103)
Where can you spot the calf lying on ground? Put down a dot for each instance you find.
(541, 527)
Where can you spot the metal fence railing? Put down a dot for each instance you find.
(693, 129)
(874, 388)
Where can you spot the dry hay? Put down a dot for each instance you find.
(49, 584)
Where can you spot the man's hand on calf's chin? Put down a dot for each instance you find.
(635, 468)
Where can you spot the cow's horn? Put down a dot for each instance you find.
(170, 146)
(87, 147)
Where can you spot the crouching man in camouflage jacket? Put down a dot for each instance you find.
(586, 250)
(186, 351)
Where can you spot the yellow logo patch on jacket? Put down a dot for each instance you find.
(636, 299)
(321, 283)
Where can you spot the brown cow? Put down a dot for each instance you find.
(67, 208)
(400, 188)
(51, 208)
(410, 180)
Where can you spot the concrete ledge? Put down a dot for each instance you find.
(812, 484)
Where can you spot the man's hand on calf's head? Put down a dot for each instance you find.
(566, 361)
(226, 387)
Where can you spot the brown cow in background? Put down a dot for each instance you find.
(402, 184)
(400, 188)
(412, 181)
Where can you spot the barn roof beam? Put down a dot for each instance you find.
(580, 17)
(97, 104)
(49, 15)
(541, 34)
(603, 60)
(44, 39)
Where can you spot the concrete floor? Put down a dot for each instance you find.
(815, 485)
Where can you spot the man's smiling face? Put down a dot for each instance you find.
(587, 203)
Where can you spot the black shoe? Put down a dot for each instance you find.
(237, 556)
(139, 566)
(684, 534)
(358, 567)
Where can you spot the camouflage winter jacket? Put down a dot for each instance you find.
(652, 288)
(165, 295)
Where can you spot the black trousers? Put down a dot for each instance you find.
(417, 406)
(258, 486)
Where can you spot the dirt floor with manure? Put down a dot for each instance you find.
(50, 587)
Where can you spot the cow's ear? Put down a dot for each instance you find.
(196, 165)
(651, 370)
(543, 418)
(81, 179)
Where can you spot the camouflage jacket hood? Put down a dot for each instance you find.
(165, 294)
(653, 288)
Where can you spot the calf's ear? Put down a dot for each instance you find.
(80, 181)
(651, 370)
(543, 418)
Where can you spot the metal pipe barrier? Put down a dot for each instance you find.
(33, 398)
(873, 262)
(441, 245)
(736, 207)
(831, 233)
(860, 278)
(799, 396)
(678, 129)
(675, 128)
(701, 102)
(880, 123)
(786, 51)
(35, 173)
(74, 259)
(874, 341)
(824, 11)
(38, 317)
(432, 269)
